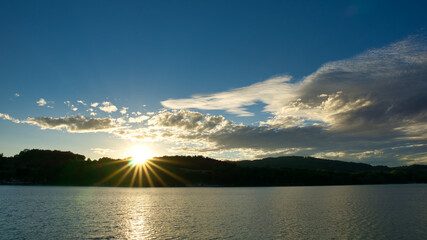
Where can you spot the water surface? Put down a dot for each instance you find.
(327, 212)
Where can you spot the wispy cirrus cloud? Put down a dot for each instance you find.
(272, 92)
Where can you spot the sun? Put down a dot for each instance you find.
(140, 155)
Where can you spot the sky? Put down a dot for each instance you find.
(343, 80)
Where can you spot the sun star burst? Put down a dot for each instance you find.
(140, 155)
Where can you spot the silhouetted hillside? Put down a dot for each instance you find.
(309, 163)
(45, 167)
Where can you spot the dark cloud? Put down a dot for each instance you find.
(75, 123)
(391, 81)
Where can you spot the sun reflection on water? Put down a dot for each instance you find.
(137, 228)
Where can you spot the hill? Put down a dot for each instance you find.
(310, 163)
(45, 167)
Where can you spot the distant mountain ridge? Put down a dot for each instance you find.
(309, 163)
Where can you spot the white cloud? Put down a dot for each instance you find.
(95, 104)
(81, 102)
(124, 110)
(108, 107)
(74, 109)
(272, 92)
(139, 119)
(7, 117)
(17, 95)
(41, 102)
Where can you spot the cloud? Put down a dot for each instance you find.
(95, 104)
(357, 108)
(124, 110)
(373, 93)
(75, 123)
(214, 135)
(175, 126)
(81, 102)
(71, 124)
(381, 91)
(187, 120)
(139, 119)
(219, 133)
(7, 117)
(272, 92)
(41, 102)
(107, 107)
(17, 95)
(101, 151)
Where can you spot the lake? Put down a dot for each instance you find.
(322, 212)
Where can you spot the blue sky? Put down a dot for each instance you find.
(193, 77)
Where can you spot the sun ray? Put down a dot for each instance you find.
(156, 175)
(124, 176)
(140, 175)
(115, 161)
(113, 174)
(135, 172)
(147, 176)
(170, 173)
(148, 170)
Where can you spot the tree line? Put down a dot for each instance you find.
(46, 167)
